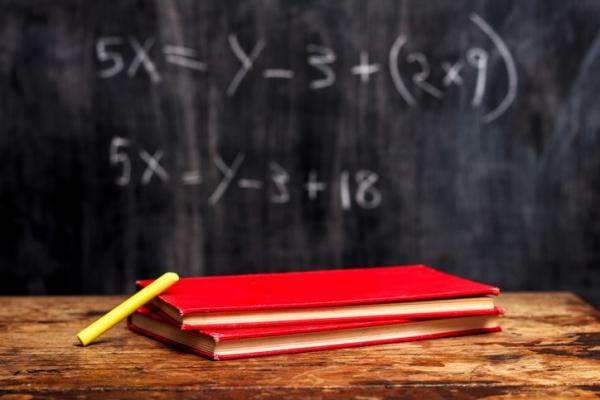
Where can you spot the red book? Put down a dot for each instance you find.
(414, 291)
(221, 344)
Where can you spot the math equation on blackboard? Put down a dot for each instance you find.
(132, 56)
(144, 58)
(354, 187)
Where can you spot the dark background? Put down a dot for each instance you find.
(510, 199)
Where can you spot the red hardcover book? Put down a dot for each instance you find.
(221, 344)
(414, 291)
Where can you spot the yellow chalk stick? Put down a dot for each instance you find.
(126, 308)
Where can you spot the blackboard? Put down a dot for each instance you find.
(220, 137)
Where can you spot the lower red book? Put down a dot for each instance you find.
(222, 344)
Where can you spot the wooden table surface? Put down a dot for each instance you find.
(550, 347)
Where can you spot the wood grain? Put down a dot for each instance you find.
(550, 348)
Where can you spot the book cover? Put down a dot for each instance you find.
(260, 295)
(246, 342)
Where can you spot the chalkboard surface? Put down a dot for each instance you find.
(220, 137)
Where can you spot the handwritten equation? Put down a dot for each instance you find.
(110, 56)
(358, 188)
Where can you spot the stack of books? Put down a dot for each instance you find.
(236, 316)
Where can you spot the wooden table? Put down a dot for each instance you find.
(550, 347)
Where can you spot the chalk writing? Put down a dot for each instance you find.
(395, 71)
(110, 56)
(152, 166)
(228, 175)
(367, 195)
(478, 58)
(280, 178)
(420, 78)
(354, 188)
(183, 57)
(117, 157)
(250, 184)
(313, 186)
(345, 190)
(191, 178)
(365, 69)
(274, 73)
(142, 59)
(452, 71)
(246, 60)
(510, 68)
(321, 61)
